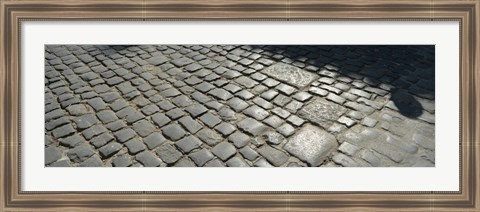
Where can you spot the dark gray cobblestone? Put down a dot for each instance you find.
(237, 106)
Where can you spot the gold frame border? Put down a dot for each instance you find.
(13, 12)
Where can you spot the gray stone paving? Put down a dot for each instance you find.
(239, 106)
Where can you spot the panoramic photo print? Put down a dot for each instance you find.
(239, 106)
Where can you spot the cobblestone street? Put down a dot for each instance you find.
(239, 105)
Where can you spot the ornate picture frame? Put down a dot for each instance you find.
(13, 13)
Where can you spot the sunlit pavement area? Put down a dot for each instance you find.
(239, 105)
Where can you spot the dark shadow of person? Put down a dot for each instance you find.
(405, 102)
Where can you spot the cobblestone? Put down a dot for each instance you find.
(263, 103)
(160, 120)
(214, 163)
(346, 121)
(249, 153)
(348, 148)
(93, 161)
(121, 161)
(322, 112)
(107, 116)
(196, 110)
(344, 160)
(101, 140)
(124, 135)
(201, 157)
(269, 95)
(274, 121)
(80, 153)
(311, 144)
(148, 159)
(256, 112)
(209, 136)
(76, 110)
(224, 150)
(252, 126)
(188, 143)
(274, 156)
(143, 128)
(134, 146)
(52, 154)
(109, 149)
(168, 153)
(272, 137)
(286, 129)
(210, 120)
(173, 132)
(72, 141)
(225, 128)
(190, 124)
(262, 163)
(153, 140)
(239, 105)
(63, 131)
(236, 162)
(295, 120)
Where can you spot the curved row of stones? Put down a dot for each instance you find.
(227, 105)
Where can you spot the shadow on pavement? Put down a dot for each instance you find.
(406, 71)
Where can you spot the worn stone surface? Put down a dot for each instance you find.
(122, 161)
(252, 126)
(168, 154)
(173, 132)
(249, 153)
(290, 74)
(201, 157)
(109, 149)
(101, 140)
(52, 154)
(153, 140)
(188, 143)
(272, 137)
(237, 162)
(256, 112)
(274, 156)
(135, 146)
(93, 161)
(239, 139)
(311, 144)
(262, 163)
(210, 137)
(80, 153)
(63, 131)
(124, 134)
(190, 124)
(210, 120)
(322, 112)
(239, 105)
(224, 150)
(143, 128)
(148, 159)
(76, 110)
(72, 141)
